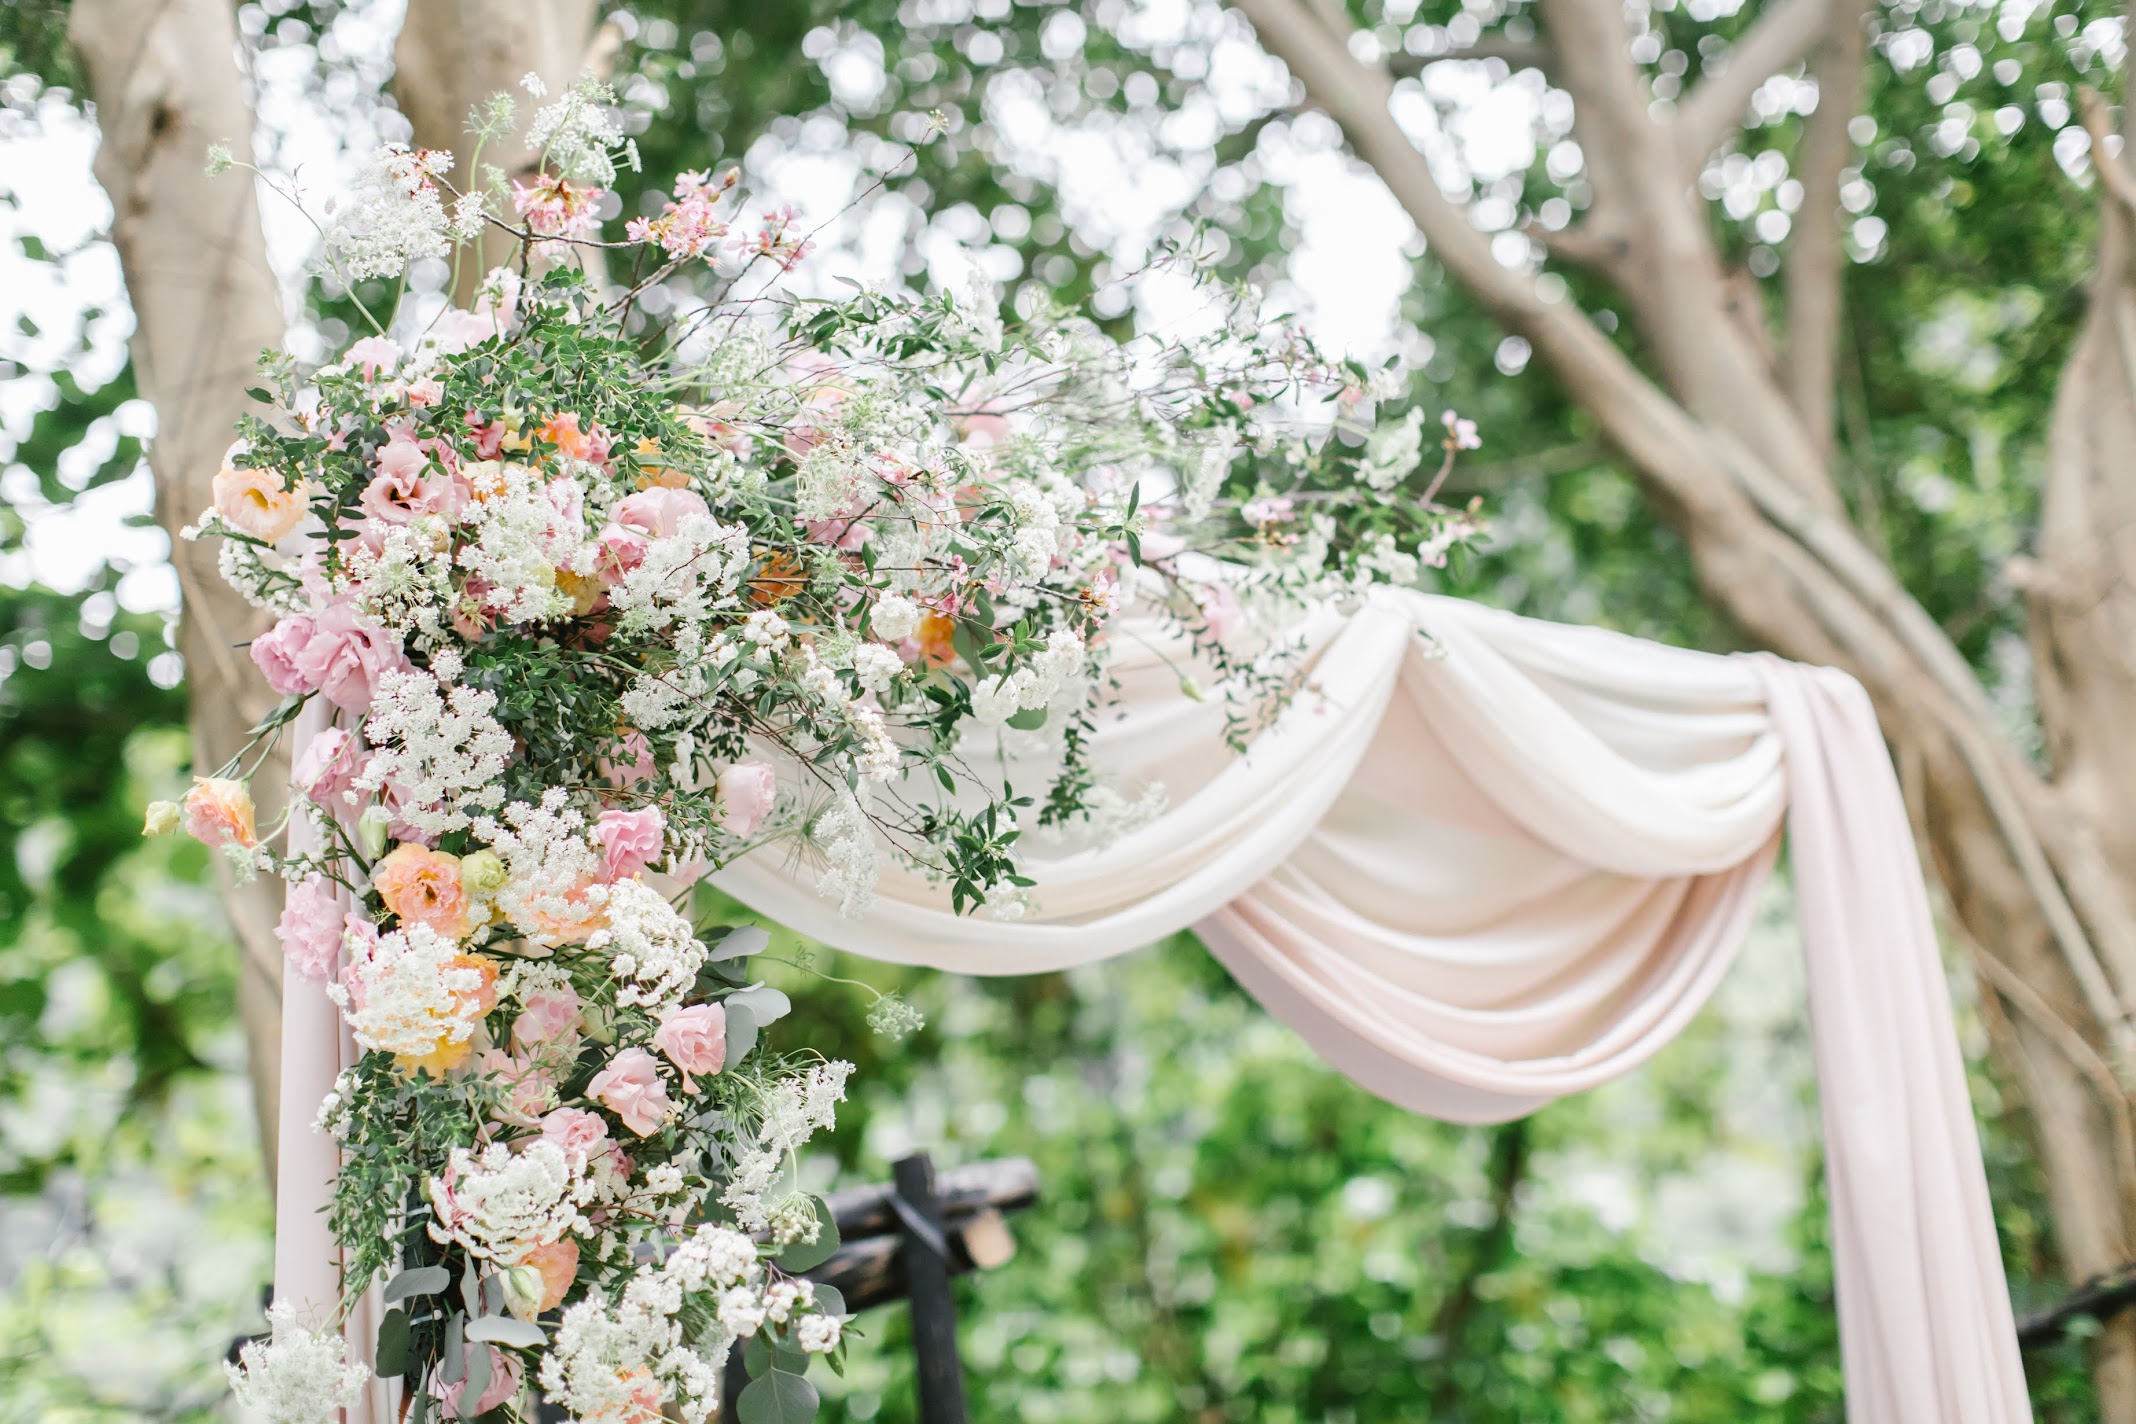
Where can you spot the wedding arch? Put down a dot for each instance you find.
(1491, 862)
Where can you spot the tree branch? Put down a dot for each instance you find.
(1517, 54)
(1816, 259)
(1778, 40)
(2114, 175)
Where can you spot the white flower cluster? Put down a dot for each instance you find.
(1393, 451)
(404, 579)
(1034, 684)
(579, 132)
(648, 945)
(684, 578)
(394, 216)
(525, 530)
(550, 866)
(300, 1376)
(439, 748)
(1038, 527)
(501, 1205)
(623, 1361)
(847, 841)
(412, 993)
(795, 1108)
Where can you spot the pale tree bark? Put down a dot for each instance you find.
(164, 78)
(2037, 869)
(452, 55)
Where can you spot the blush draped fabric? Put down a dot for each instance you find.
(1483, 862)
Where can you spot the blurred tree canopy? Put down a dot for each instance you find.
(1229, 1230)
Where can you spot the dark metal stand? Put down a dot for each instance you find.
(934, 1310)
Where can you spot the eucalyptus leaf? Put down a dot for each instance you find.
(807, 1255)
(831, 1300)
(416, 1280)
(478, 1379)
(390, 1359)
(507, 1330)
(452, 1362)
(1030, 719)
(765, 1004)
(741, 1031)
(740, 942)
(779, 1397)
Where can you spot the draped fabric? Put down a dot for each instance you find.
(1482, 862)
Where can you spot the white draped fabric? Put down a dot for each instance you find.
(1484, 862)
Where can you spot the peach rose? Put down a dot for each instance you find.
(422, 887)
(218, 812)
(445, 1055)
(694, 1040)
(258, 502)
(630, 1087)
(558, 1263)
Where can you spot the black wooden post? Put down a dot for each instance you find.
(934, 1311)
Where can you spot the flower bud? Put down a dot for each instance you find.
(481, 874)
(523, 1290)
(371, 828)
(163, 818)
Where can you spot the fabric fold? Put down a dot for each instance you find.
(1480, 863)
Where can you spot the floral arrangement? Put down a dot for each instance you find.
(593, 603)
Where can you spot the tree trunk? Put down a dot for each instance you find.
(452, 55)
(2037, 872)
(164, 78)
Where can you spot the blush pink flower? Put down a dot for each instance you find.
(658, 512)
(218, 813)
(328, 767)
(375, 356)
(747, 790)
(503, 1384)
(402, 492)
(580, 1135)
(346, 655)
(276, 652)
(310, 929)
(529, 1089)
(630, 840)
(550, 1017)
(631, 1088)
(694, 1040)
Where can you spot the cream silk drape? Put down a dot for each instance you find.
(1482, 863)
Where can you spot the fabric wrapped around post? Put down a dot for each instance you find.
(1483, 862)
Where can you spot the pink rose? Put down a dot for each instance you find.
(548, 1017)
(630, 840)
(374, 356)
(618, 551)
(694, 1040)
(276, 651)
(746, 792)
(1221, 612)
(426, 392)
(529, 1091)
(310, 929)
(658, 512)
(503, 1384)
(630, 1087)
(347, 655)
(328, 767)
(581, 1136)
